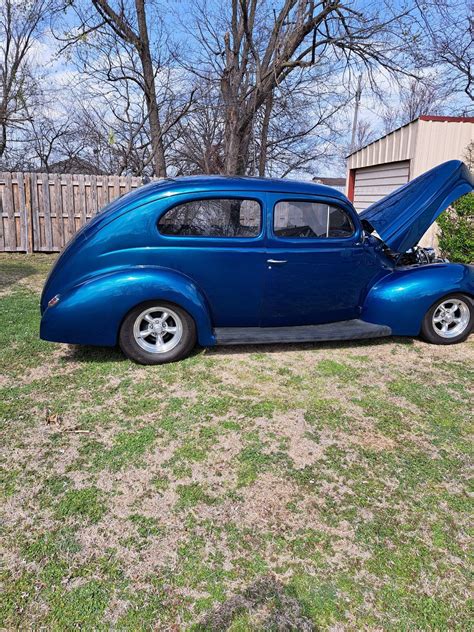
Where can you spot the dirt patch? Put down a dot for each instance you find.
(218, 471)
(294, 430)
(262, 505)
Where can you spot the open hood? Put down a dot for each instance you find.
(402, 217)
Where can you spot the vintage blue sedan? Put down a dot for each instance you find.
(217, 260)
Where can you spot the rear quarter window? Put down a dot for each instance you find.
(222, 217)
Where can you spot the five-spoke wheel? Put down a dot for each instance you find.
(157, 332)
(449, 320)
(158, 329)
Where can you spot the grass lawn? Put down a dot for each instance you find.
(293, 487)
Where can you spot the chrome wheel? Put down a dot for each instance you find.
(451, 318)
(158, 329)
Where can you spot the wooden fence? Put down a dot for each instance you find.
(40, 212)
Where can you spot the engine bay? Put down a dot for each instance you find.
(417, 256)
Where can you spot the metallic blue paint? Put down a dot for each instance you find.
(402, 298)
(119, 260)
(94, 309)
(403, 217)
(307, 289)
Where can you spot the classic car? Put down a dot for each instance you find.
(230, 260)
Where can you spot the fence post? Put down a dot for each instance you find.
(35, 208)
(28, 215)
(10, 232)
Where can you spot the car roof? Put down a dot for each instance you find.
(241, 183)
(203, 184)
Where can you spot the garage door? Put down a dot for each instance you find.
(373, 183)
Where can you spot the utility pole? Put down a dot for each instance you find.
(358, 94)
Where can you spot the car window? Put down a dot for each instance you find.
(223, 217)
(299, 218)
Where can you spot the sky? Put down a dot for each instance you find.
(62, 75)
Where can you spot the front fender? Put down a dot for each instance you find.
(91, 312)
(402, 298)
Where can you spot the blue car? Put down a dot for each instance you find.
(222, 260)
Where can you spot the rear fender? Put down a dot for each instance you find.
(402, 298)
(91, 313)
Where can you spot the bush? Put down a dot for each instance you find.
(456, 239)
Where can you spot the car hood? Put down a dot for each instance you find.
(402, 217)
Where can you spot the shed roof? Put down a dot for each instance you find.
(423, 117)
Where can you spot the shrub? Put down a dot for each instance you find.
(456, 239)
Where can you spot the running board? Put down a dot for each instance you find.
(342, 330)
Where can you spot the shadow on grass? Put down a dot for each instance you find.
(89, 354)
(11, 273)
(268, 597)
(305, 346)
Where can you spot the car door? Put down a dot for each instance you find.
(217, 240)
(318, 265)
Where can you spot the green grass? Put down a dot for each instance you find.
(324, 486)
(191, 495)
(84, 504)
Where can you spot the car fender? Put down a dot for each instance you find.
(91, 312)
(402, 298)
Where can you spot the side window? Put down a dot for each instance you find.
(340, 223)
(297, 218)
(225, 217)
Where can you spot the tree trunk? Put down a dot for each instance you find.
(159, 161)
(231, 146)
(236, 151)
(3, 140)
(236, 141)
(262, 159)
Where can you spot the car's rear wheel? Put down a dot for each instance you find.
(449, 320)
(157, 332)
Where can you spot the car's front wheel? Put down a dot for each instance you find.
(157, 332)
(449, 320)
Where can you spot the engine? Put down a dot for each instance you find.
(417, 256)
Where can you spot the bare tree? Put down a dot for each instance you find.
(449, 42)
(22, 22)
(258, 87)
(119, 143)
(469, 155)
(133, 30)
(365, 134)
(199, 144)
(44, 137)
(296, 126)
(117, 38)
(415, 98)
(262, 46)
(301, 127)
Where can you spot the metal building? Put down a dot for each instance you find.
(393, 160)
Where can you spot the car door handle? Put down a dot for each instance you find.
(276, 260)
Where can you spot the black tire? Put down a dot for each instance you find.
(179, 319)
(432, 333)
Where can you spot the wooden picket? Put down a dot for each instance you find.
(41, 212)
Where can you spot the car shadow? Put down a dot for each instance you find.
(11, 273)
(306, 346)
(88, 354)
